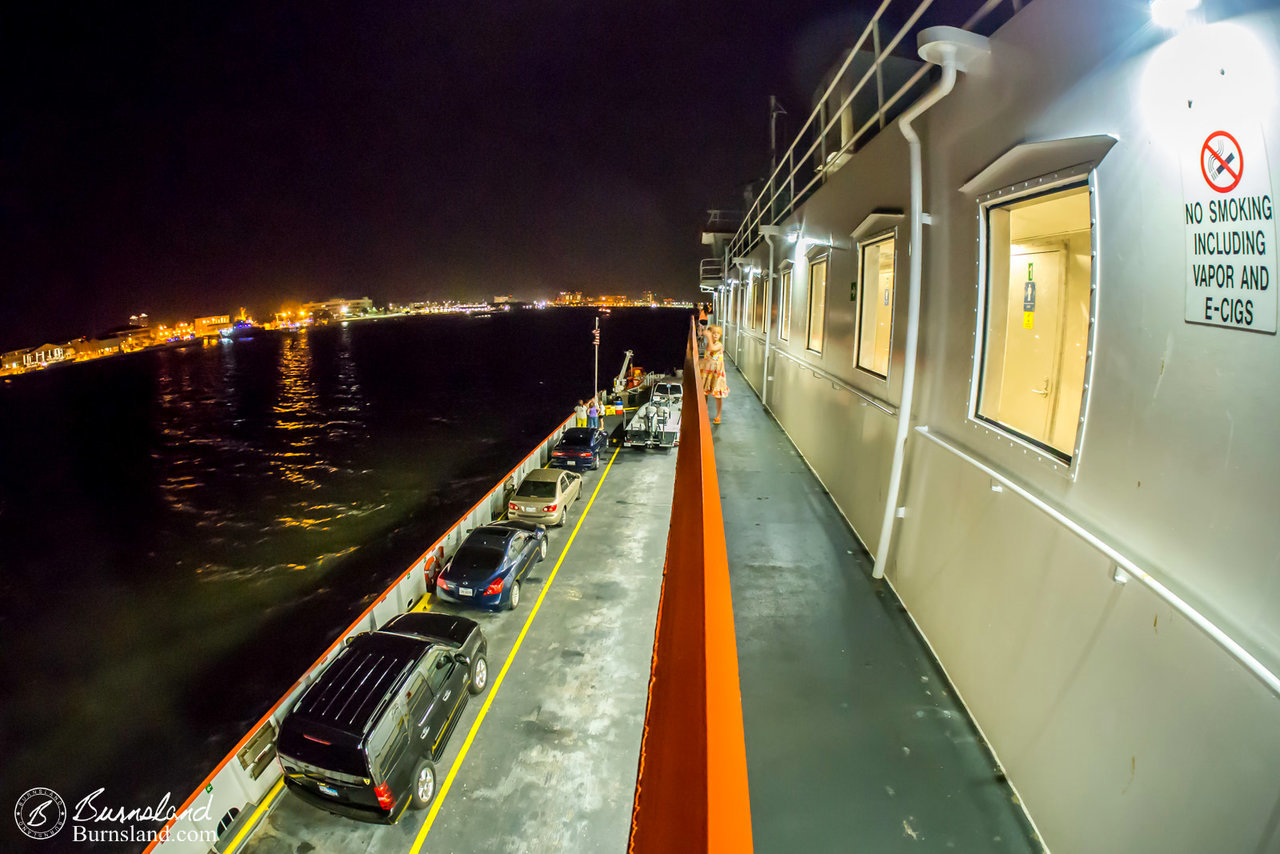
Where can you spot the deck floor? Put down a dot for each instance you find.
(854, 739)
(553, 765)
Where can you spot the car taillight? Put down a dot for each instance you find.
(386, 800)
(440, 580)
(550, 508)
(494, 588)
(587, 454)
(511, 505)
(557, 453)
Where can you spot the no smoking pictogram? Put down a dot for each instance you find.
(1221, 161)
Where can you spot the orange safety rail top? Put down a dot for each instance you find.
(691, 794)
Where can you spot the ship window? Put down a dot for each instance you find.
(1037, 317)
(757, 301)
(817, 302)
(784, 305)
(875, 314)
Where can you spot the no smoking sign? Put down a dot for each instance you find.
(1221, 161)
(1228, 217)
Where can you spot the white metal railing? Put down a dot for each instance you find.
(1123, 563)
(819, 373)
(807, 163)
(711, 270)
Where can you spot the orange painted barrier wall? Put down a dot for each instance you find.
(692, 794)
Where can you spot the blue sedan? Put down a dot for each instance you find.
(580, 448)
(487, 568)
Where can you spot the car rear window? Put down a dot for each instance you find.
(537, 489)
(477, 557)
(321, 752)
(577, 436)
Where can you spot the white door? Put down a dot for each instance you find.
(1033, 339)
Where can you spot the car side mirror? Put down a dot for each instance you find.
(464, 660)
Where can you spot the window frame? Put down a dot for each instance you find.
(785, 278)
(1084, 175)
(817, 255)
(877, 237)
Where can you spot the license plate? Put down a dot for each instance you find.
(327, 790)
(465, 591)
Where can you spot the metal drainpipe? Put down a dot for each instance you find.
(768, 315)
(913, 301)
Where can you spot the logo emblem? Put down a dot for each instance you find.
(40, 813)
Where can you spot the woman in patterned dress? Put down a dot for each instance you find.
(711, 370)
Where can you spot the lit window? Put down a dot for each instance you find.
(784, 305)
(817, 302)
(875, 317)
(758, 301)
(1037, 317)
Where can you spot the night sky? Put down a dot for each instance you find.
(190, 158)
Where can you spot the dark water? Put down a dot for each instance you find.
(183, 532)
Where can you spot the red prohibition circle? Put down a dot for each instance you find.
(1236, 174)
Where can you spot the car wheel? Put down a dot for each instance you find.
(424, 784)
(560, 518)
(479, 674)
(542, 546)
(595, 461)
(514, 601)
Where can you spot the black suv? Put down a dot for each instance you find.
(362, 741)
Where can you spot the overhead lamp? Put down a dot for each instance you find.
(1172, 14)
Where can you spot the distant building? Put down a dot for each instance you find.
(503, 300)
(569, 298)
(129, 337)
(46, 354)
(207, 326)
(613, 300)
(648, 298)
(11, 361)
(92, 348)
(338, 308)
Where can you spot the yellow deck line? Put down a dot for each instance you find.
(256, 817)
(506, 665)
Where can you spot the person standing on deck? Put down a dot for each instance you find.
(593, 414)
(580, 413)
(714, 381)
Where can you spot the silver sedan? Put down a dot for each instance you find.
(544, 496)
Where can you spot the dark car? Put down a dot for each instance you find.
(580, 448)
(363, 740)
(487, 568)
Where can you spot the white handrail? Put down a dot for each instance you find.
(1200, 621)
(884, 407)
